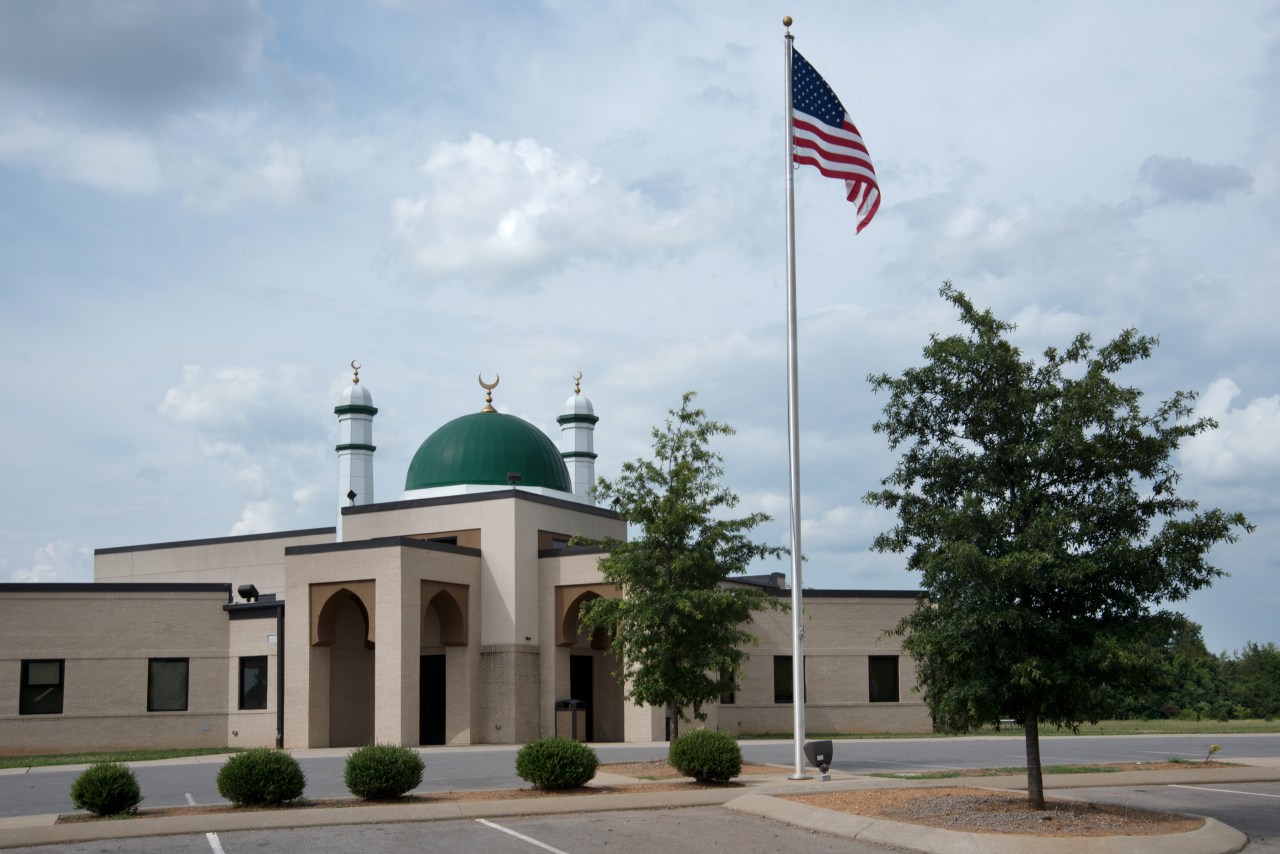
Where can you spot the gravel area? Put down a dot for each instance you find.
(990, 811)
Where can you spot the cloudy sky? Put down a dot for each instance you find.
(208, 209)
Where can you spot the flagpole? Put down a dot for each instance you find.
(793, 439)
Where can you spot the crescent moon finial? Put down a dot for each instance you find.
(488, 391)
(577, 383)
(355, 378)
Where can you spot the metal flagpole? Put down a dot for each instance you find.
(793, 439)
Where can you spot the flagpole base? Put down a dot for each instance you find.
(799, 777)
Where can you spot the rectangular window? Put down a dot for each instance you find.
(167, 684)
(882, 678)
(253, 682)
(782, 680)
(41, 689)
(726, 699)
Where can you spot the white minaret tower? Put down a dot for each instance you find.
(577, 440)
(355, 411)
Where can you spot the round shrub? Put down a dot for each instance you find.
(556, 763)
(380, 772)
(706, 755)
(106, 788)
(261, 777)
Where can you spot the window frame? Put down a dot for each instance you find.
(151, 684)
(881, 695)
(789, 681)
(254, 661)
(26, 701)
(727, 698)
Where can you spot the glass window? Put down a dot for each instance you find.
(726, 698)
(882, 678)
(782, 687)
(41, 690)
(783, 683)
(253, 682)
(167, 684)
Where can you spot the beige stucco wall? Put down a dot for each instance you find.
(397, 573)
(257, 727)
(105, 640)
(256, 560)
(840, 634)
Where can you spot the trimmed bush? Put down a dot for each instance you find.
(556, 763)
(261, 777)
(706, 755)
(106, 788)
(381, 772)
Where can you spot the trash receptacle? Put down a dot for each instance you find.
(571, 719)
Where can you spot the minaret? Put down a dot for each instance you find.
(577, 442)
(355, 411)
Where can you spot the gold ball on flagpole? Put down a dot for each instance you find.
(786, 20)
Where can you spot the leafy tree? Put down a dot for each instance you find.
(678, 629)
(1039, 505)
(1253, 680)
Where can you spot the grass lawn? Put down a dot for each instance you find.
(119, 756)
(1159, 727)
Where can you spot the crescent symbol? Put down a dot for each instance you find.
(487, 386)
(354, 366)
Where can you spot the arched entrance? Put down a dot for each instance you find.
(444, 634)
(343, 625)
(590, 665)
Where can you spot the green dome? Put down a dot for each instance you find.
(482, 448)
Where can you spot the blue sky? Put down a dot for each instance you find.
(208, 209)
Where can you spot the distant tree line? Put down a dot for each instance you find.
(1196, 684)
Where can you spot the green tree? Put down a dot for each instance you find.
(1253, 680)
(678, 628)
(1039, 505)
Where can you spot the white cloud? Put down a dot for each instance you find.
(106, 160)
(1246, 444)
(498, 209)
(57, 562)
(258, 517)
(274, 176)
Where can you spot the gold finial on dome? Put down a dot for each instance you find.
(577, 383)
(355, 372)
(488, 391)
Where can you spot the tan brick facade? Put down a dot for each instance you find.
(445, 620)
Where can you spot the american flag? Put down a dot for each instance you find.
(826, 138)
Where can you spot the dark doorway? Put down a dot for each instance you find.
(582, 686)
(431, 699)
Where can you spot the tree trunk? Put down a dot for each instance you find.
(673, 721)
(1035, 776)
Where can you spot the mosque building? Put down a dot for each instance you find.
(448, 615)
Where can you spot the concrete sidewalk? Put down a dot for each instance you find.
(762, 797)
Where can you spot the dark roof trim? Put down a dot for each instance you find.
(568, 551)
(845, 594)
(120, 587)
(383, 543)
(181, 544)
(495, 495)
(254, 610)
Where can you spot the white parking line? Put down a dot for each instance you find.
(190, 800)
(508, 830)
(214, 843)
(1223, 791)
